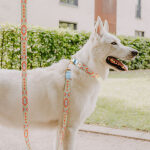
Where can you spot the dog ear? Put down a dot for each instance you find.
(106, 25)
(99, 26)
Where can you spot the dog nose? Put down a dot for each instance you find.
(134, 52)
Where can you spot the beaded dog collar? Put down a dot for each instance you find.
(84, 68)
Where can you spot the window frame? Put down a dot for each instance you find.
(139, 10)
(139, 33)
(69, 23)
(76, 2)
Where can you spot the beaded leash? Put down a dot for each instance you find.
(24, 69)
(66, 102)
(67, 94)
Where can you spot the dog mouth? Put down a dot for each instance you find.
(115, 63)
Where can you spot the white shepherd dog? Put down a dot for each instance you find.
(46, 85)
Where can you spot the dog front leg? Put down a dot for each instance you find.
(68, 141)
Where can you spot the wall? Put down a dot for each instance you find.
(48, 13)
(10, 11)
(127, 23)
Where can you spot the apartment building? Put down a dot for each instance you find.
(126, 17)
(75, 14)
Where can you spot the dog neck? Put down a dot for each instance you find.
(86, 57)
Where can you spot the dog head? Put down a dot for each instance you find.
(107, 48)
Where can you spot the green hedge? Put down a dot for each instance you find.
(142, 61)
(48, 46)
(44, 46)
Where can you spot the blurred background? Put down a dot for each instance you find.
(128, 17)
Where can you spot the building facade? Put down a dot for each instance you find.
(75, 14)
(133, 17)
(126, 17)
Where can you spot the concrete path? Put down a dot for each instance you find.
(126, 133)
(11, 139)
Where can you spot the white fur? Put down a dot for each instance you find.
(46, 86)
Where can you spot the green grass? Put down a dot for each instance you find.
(124, 101)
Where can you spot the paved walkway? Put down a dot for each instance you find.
(137, 135)
(11, 139)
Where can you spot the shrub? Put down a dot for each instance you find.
(142, 61)
(44, 46)
(48, 46)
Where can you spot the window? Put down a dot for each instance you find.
(67, 25)
(138, 10)
(72, 2)
(139, 33)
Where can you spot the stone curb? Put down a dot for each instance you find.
(137, 135)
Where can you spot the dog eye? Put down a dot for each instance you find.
(114, 43)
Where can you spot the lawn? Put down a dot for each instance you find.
(124, 101)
